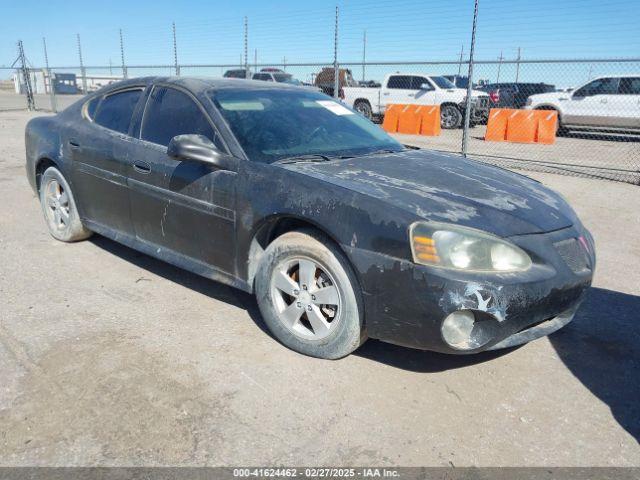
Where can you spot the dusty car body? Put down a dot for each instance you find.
(220, 218)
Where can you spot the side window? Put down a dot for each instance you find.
(170, 112)
(399, 82)
(263, 76)
(116, 110)
(602, 86)
(629, 86)
(417, 82)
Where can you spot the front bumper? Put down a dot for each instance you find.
(406, 303)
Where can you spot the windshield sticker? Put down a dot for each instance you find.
(241, 105)
(334, 107)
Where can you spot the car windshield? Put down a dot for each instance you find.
(273, 124)
(442, 82)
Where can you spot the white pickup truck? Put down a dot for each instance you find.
(419, 89)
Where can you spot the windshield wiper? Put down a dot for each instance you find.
(314, 157)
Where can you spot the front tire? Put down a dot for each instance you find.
(450, 117)
(309, 296)
(59, 208)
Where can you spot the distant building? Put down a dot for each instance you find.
(63, 83)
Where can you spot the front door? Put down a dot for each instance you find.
(184, 207)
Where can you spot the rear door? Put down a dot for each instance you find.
(398, 90)
(185, 207)
(101, 148)
(627, 102)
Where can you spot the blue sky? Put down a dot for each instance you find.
(400, 30)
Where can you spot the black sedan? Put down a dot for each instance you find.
(341, 232)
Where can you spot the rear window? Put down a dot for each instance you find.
(399, 82)
(116, 110)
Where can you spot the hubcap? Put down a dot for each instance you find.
(448, 117)
(57, 204)
(306, 297)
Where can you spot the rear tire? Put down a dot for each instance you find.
(450, 117)
(364, 108)
(59, 208)
(309, 296)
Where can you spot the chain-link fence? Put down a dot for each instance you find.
(571, 116)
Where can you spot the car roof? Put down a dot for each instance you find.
(198, 84)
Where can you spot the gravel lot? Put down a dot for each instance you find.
(110, 357)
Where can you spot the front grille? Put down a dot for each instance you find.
(573, 254)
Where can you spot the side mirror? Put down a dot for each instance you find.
(198, 148)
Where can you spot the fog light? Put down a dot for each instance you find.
(457, 329)
(470, 329)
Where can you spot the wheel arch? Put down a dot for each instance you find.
(41, 165)
(274, 226)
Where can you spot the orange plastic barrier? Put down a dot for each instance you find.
(409, 121)
(430, 120)
(521, 126)
(412, 119)
(547, 126)
(497, 124)
(391, 117)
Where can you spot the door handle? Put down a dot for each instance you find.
(604, 100)
(142, 167)
(74, 144)
(411, 95)
(386, 93)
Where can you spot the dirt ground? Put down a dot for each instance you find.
(110, 357)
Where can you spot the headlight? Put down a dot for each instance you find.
(461, 248)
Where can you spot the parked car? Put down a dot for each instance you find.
(609, 103)
(421, 90)
(514, 95)
(340, 231)
(325, 80)
(237, 73)
(276, 75)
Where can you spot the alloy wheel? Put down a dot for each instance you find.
(57, 204)
(306, 297)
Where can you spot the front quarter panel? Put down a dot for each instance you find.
(353, 220)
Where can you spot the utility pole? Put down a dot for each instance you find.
(246, 48)
(52, 93)
(284, 64)
(518, 66)
(82, 70)
(175, 51)
(460, 62)
(24, 70)
(110, 67)
(364, 54)
(124, 68)
(336, 70)
(255, 59)
(465, 131)
(500, 58)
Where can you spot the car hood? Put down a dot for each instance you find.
(448, 188)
